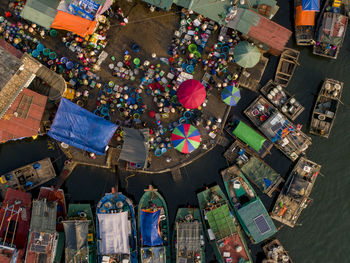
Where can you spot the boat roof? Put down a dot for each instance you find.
(188, 236)
(76, 239)
(43, 216)
(220, 221)
(257, 220)
(333, 28)
(248, 135)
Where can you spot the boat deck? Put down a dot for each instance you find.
(275, 251)
(286, 66)
(251, 77)
(228, 248)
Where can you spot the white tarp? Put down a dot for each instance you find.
(114, 233)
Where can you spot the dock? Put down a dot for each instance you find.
(251, 77)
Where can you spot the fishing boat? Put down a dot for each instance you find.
(254, 168)
(326, 107)
(15, 222)
(331, 29)
(248, 207)
(153, 227)
(116, 229)
(286, 66)
(253, 140)
(286, 136)
(56, 195)
(188, 236)
(27, 177)
(304, 23)
(83, 212)
(294, 197)
(224, 234)
(43, 238)
(282, 100)
(275, 253)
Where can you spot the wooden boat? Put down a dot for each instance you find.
(294, 196)
(254, 168)
(188, 236)
(248, 207)
(275, 253)
(83, 212)
(221, 227)
(43, 238)
(15, 222)
(27, 177)
(253, 140)
(326, 107)
(286, 66)
(331, 30)
(304, 25)
(277, 128)
(251, 77)
(56, 195)
(282, 100)
(153, 227)
(116, 229)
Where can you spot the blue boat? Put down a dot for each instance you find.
(116, 229)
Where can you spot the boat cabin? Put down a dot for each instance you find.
(277, 128)
(304, 22)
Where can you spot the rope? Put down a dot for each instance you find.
(127, 178)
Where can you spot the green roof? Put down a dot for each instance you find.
(260, 173)
(163, 4)
(221, 222)
(248, 135)
(250, 215)
(41, 12)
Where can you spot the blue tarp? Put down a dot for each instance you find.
(149, 228)
(311, 5)
(80, 128)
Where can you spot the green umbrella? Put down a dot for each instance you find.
(246, 55)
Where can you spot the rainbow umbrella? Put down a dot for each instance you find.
(185, 138)
(231, 95)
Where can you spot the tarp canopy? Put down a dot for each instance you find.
(248, 135)
(78, 25)
(80, 128)
(135, 147)
(311, 5)
(150, 228)
(114, 233)
(76, 236)
(304, 18)
(41, 12)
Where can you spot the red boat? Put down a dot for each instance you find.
(52, 195)
(14, 226)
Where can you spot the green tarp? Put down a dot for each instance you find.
(162, 4)
(248, 135)
(221, 222)
(41, 12)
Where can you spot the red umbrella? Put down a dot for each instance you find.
(191, 94)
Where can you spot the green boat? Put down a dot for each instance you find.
(248, 207)
(224, 234)
(83, 212)
(188, 236)
(153, 227)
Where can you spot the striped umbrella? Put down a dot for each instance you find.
(185, 138)
(231, 95)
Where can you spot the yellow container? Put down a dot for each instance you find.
(337, 3)
(69, 93)
(3, 179)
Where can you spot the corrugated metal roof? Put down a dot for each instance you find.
(244, 20)
(9, 64)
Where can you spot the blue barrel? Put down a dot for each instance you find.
(69, 65)
(40, 47)
(35, 53)
(37, 166)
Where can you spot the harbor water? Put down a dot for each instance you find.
(322, 232)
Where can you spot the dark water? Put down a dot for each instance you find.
(324, 226)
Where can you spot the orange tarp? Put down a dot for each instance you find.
(304, 18)
(72, 23)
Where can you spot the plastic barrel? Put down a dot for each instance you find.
(46, 51)
(64, 60)
(40, 47)
(136, 61)
(197, 55)
(35, 53)
(158, 152)
(190, 69)
(52, 55)
(192, 48)
(69, 65)
(53, 33)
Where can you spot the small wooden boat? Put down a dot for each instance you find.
(83, 212)
(116, 229)
(27, 177)
(251, 77)
(43, 238)
(282, 100)
(248, 207)
(253, 140)
(286, 66)
(326, 107)
(275, 253)
(254, 168)
(15, 223)
(294, 196)
(221, 227)
(286, 136)
(304, 24)
(331, 30)
(188, 236)
(153, 227)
